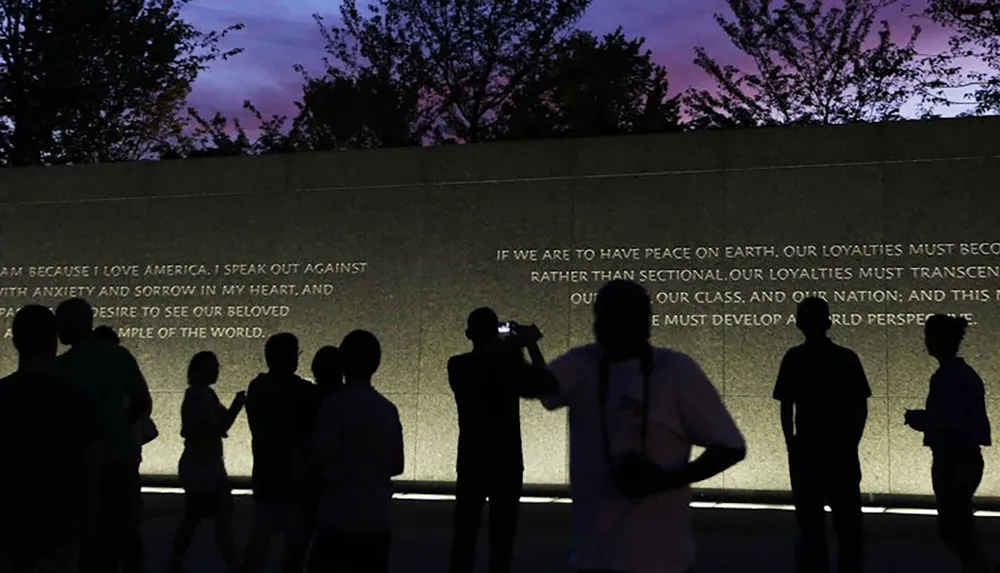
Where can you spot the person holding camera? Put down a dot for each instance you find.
(488, 383)
(635, 411)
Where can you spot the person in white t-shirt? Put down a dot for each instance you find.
(635, 411)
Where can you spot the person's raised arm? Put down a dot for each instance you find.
(565, 372)
(536, 380)
(531, 335)
(140, 402)
(229, 415)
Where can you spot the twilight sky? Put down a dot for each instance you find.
(281, 33)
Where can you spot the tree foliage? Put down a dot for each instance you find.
(815, 64)
(335, 112)
(592, 86)
(96, 80)
(220, 136)
(360, 107)
(972, 61)
(462, 58)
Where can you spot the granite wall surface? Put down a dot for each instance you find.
(726, 229)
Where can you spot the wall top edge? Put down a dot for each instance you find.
(521, 163)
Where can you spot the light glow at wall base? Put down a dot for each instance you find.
(563, 500)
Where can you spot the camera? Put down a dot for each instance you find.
(518, 334)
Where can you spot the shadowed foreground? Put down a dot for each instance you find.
(729, 541)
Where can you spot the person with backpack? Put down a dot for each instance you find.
(145, 429)
(112, 377)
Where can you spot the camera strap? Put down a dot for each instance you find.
(603, 382)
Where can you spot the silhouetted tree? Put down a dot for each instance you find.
(92, 80)
(972, 62)
(219, 136)
(815, 64)
(363, 110)
(336, 112)
(592, 86)
(463, 58)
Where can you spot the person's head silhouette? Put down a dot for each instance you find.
(943, 335)
(327, 369)
(813, 317)
(361, 356)
(482, 327)
(107, 334)
(203, 370)
(35, 333)
(622, 314)
(76, 321)
(281, 352)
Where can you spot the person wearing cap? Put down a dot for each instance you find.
(824, 394)
(635, 411)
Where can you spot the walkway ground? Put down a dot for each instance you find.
(729, 541)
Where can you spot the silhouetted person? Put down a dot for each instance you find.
(488, 384)
(279, 413)
(48, 430)
(145, 431)
(824, 395)
(635, 411)
(121, 397)
(202, 468)
(327, 371)
(107, 334)
(359, 440)
(955, 427)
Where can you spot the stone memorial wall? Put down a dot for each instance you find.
(727, 230)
